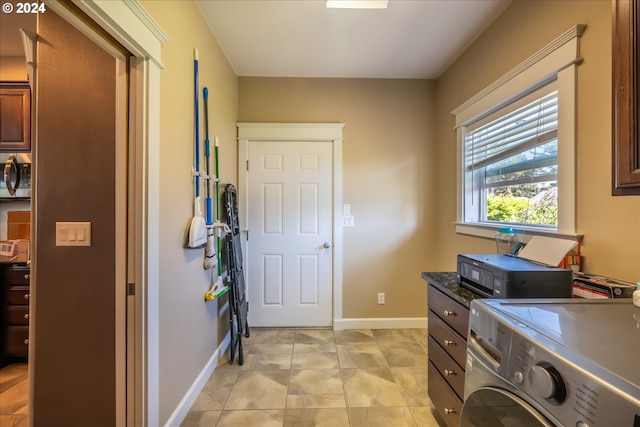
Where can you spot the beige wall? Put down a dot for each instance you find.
(388, 178)
(611, 225)
(190, 329)
(13, 68)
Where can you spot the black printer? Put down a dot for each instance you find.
(507, 276)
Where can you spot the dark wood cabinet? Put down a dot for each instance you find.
(625, 103)
(15, 116)
(447, 349)
(15, 312)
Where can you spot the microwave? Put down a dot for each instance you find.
(16, 181)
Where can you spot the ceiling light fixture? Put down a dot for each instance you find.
(357, 4)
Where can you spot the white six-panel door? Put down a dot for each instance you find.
(289, 248)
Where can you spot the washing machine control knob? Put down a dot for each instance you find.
(547, 382)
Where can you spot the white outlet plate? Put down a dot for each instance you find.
(73, 234)
(380, 297)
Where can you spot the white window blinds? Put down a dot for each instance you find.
(515, 129)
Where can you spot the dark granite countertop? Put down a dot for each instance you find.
(446, 282)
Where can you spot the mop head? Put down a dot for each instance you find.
(210, 259)
(217, 290)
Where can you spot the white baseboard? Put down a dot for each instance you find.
(388, 323)
(190, 397)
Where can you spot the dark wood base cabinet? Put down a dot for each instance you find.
(15, 314)
(447, 348)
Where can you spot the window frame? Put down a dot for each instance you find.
(556, 61)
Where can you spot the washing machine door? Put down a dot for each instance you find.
(494, 407)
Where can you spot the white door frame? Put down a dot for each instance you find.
(298, 132)
(130, 24)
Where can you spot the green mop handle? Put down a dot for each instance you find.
(218, 205)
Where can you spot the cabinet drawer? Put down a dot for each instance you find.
(18, 295)
(454, 313)
(18, 314)
(448, 368)
(449, 340)
(449, 406)
(18, 341)
(18, 275)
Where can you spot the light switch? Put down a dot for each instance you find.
(73, 234)
(348, 221)
(62, 234)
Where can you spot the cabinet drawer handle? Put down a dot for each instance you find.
(449, 372)
(449, 411)
(26, 296)
(26, 316)
(26, 276)
(26, 341)
(449, 313)
(450, 342)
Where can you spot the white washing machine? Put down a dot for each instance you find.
(552, 363)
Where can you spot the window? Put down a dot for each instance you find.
(516, 146)
(511, 163)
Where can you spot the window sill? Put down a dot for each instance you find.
(488, 231)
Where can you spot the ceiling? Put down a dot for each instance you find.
(411, 39)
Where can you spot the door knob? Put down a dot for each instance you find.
(327, 245)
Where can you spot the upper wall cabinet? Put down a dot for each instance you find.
(15, 116)
(626, 82)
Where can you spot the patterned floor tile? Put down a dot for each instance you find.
(425, 416)
(324, 417)
(381, 417)
(353, 335)
(315, 388)
(270, 418)
(361, 355)
(201, 418)
(267, 361)
(315, 361)
(321, 378)
(413, 385)
(371, 387)
(259, 390)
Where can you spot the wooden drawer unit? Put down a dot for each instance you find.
(17, 295)
(447, 348)
(18, 341)
(16, 312)
(447, 403)
(450, 370)
(455, 314)
(453, 343)
(18, 275)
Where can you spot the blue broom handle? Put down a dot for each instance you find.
(197, 115)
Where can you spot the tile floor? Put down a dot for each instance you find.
(14, 385)
(318, 377)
